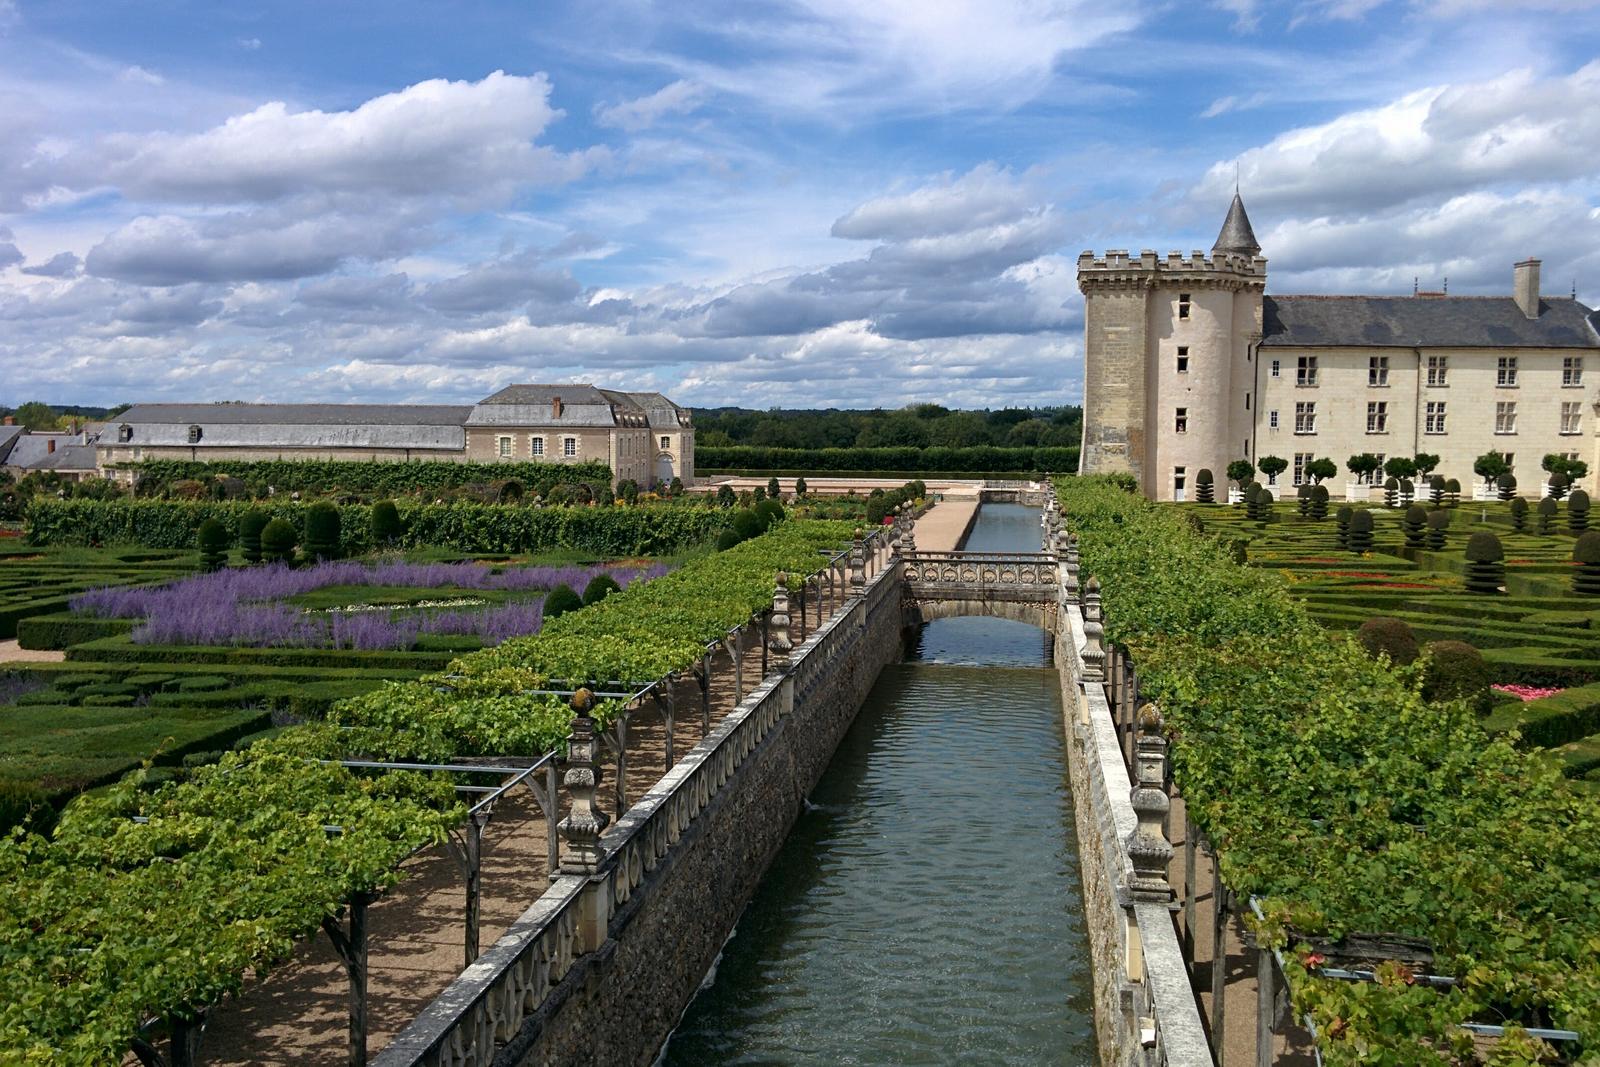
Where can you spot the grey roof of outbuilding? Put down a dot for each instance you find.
(534, 405)
(8, 437)
(32, 451)
(663, 413)
(68, 458)
(1428, 322)
(297, 414)
(290, 426)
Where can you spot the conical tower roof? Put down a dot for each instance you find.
(1236, 235)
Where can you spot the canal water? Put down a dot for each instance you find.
(925, 909)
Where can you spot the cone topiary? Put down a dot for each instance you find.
(561, 600)
(1486, 567)
(251, 523)
(1456, 670)
(1341, 530)
(1390, 637)
(1416, 525)
(1319, 502)
(1391, 492)
(277, 542)
(386, 528)
(1578, 511)
(1438, 523)
(1436, 486)
(322, 531)
(1205, 486)
(1519, 515)
(212, 540)
(1360, 535)
(1547, 516)
(1506, 484)
(1452, 492)
(1586, 554)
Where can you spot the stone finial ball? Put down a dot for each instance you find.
(1150, 720)
(583, 701)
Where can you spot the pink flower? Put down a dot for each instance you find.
(1528, 692)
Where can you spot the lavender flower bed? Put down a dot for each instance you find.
(13, 686)
(241, 606)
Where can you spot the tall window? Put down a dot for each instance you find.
(1378, 416)
(1183, 359)
(1305, 417)
(1505, 416)
(1438, 370)
(1506, 371)
(1272, 419)
(1301, 461)
(1572, 371)
(1570, 417)
(569, 446)
(504, 448)
(1433, 419)
(1277, 367)
(1305, 372)
(1180, 481)
(1377, 370)
(1511, 461)
(666, 442)
(536, 446)
(1181, 423)
(1183, 305)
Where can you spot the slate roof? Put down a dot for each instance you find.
(8, 437)
(1237, 235)
(389, 426)
(68, 458)
(662, 413)
(1426, 322)
(31, 451)
(534, 405)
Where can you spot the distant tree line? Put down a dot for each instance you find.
(917, 426)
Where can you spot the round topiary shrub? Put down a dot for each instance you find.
(509, 491)
(212, 540)
(251, 523)
(725, 496)
(561, 600)
(1390, 637)
(1578, 511)
(774, 490)
(1486, 568)
(599, 587)
(277, 541)
(1319, 503)
(1205, 486)
(1457, 671)
(1341, 519)
(1436, 486)
(1452, 492)
(1360, 534)
(1519, 515)
(1547, 516)
(1438, 525)
(1302, 500)
(1391, 491)
(1586, 554)
(770, 512)
(1415, 525)
(386, 528)
(1258, 503)
(1408, 491)
(1559, 484)
(800, 487)
(726, 540)
(322, 531)
(1506, 485)
(747, 524)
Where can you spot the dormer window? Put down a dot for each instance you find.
(194, 435)
(124, 433)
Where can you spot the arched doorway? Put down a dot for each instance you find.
(663, 473)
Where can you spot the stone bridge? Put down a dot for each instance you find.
(1020, 586)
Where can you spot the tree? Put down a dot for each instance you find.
(1321, 469)
(1400, 467)
(1272, 466)
(1362, 465)
(37, 415)
(774, 491)
(1426, 463)
(1490, 466)
(800, 486)
(1241, 471)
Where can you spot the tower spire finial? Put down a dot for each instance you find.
(1236, 235)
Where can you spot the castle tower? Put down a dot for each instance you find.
(1169, 359)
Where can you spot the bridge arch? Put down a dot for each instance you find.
(1019, 586)
(919, 610)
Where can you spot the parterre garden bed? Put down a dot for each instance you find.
(1537, 634)
(36, 581)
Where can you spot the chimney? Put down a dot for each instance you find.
(9, 420)
(555, 408)
(49, 445)
(1525, 287)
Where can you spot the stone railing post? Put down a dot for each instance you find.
(858, 566)
(1092, 652)
(1149, 851)
(1071, 566)
(778, 640)
(908, 543)
(583, 825)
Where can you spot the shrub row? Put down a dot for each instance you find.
(978, 459)
(384, 478)
(1334, 791)
(465, 527)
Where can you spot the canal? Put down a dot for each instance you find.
(925, 908)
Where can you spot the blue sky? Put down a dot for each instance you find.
(800, 204)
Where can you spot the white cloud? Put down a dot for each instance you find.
(141, 76)
(677, 98)
(250, 44)
(983, 196)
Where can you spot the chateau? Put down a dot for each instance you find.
(1189, 365)
(642, 436)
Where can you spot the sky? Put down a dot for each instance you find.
(779, 204)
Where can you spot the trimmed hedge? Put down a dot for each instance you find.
(389, 478)
(980, 459)
(58, 631)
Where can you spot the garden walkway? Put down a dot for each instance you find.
(297, 1013)
(945, 525)
(10, 652)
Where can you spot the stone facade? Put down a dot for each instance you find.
(1189, 365)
